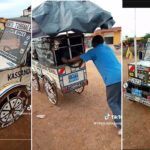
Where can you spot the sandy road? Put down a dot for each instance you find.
(70, 126)
(136, 121)
(18, 135)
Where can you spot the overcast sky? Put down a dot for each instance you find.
(126, 17)
(13, 8)
(123, 17)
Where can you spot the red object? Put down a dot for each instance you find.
(64, 89)
(148, 97)
(85, 82)
(61, 71)
(148, 70)
(124, 90)
(132, 68)
(84, 46)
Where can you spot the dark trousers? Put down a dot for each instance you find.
(113, 93)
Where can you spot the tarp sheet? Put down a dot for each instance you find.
(53, 17)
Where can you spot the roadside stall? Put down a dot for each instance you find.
(15, 63)
(58, 31)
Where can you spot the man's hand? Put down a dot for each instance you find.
(83, 65)
(71, 61)
(64, 60)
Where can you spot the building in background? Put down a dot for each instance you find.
(129, 42)
(2, 25)
(111, 36)
(27, 12)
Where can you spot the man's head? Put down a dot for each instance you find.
(98, 39)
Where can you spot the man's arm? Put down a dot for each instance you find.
(83, 57)
(71, 61)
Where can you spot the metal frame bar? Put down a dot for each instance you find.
(135, 46)
(55, 60)
(69, 45)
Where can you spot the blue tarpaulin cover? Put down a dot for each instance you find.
(53, 17)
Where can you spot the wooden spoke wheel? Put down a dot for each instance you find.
(51, 91)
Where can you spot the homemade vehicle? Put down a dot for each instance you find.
(47, 64)
(15, 62)
(138, 88)
(57, 29)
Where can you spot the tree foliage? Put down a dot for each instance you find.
(130, 40)
(145, 38)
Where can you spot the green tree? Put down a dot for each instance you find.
(130, 40)
(145, 38)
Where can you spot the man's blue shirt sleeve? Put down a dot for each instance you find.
(87, 56)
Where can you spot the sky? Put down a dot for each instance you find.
(13, 8)
(124, 18)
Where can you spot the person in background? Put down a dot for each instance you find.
(109, 68)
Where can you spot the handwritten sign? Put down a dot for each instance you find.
(19, 25)
(19, 33)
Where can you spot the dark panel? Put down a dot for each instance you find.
(136, 3)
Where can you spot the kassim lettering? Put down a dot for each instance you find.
(18, 74)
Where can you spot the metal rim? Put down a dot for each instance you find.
(12, 107)
(51, 92)
(79, 90)
(35, 82)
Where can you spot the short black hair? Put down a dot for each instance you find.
(98, 39)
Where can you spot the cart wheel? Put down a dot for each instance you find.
(35, 82)
(79, 90)
(51, 91)
(12, 106)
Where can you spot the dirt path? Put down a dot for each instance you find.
(18, 135)
(15, 145)
(136, 121)
(70, 126)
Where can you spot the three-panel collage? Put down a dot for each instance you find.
(74, 75)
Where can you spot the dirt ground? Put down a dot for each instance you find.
(70, 126)
(18, 135)
(136, 120)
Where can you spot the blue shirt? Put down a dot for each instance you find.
(106, 63)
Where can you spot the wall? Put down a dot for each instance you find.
(117, 37)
